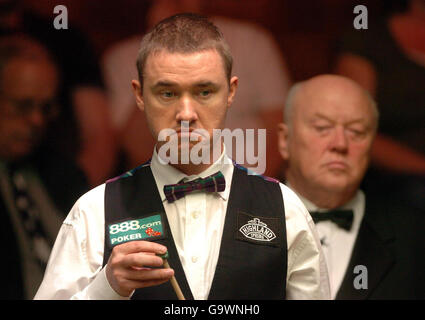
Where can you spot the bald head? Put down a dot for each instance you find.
(330, 88)
(330, 124)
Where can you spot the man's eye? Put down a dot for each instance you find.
(205, 93)
(322, 128)
(357, 133)
(167, 94)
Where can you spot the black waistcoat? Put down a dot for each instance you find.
(252, 263)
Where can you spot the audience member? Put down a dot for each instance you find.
(37, 187)
(263, 83)
(82, 130)
(388, 60)
(373, 246)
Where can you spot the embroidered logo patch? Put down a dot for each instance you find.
(138, 229)
(260, 230)
(257, 230)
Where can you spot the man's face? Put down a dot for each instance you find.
(329, 142)
(27, 91)
(190, 88)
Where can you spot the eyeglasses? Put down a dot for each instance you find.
(25, 107)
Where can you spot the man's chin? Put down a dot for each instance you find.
(336, 183)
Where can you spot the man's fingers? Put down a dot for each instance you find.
(142, 259)
(140, 246)
(128, 267)
(143, 284)
(149, 275)
(140, 279)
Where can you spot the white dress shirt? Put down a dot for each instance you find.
(338, 243)
(75, 268)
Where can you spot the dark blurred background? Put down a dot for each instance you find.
(305, 30)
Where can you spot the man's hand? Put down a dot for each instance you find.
(129, 266)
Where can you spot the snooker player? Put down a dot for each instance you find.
(229, 234)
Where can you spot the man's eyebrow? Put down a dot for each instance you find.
(200, 84)
(205, 84)
(359, 120)
(164, 83)
(321, 116)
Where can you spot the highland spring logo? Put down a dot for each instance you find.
(195, 146)
(257, 230)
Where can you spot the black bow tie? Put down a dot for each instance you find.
(342, 218)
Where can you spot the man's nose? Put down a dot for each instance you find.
(339, 141)
(187, 110)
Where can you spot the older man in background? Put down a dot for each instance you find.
(374, 248)
(37, 187)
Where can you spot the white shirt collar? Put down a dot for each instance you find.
(165, 174)
(357, 204)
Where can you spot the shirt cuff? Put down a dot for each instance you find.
(100, 289)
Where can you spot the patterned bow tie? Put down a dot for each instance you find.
(342, 218)
(212, 183)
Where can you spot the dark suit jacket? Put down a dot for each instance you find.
(391, 245)
(65, 183)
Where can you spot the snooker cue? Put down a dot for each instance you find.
(173, 279)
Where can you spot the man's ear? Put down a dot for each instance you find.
(138, 93)
(283, 140)
(233, 85)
